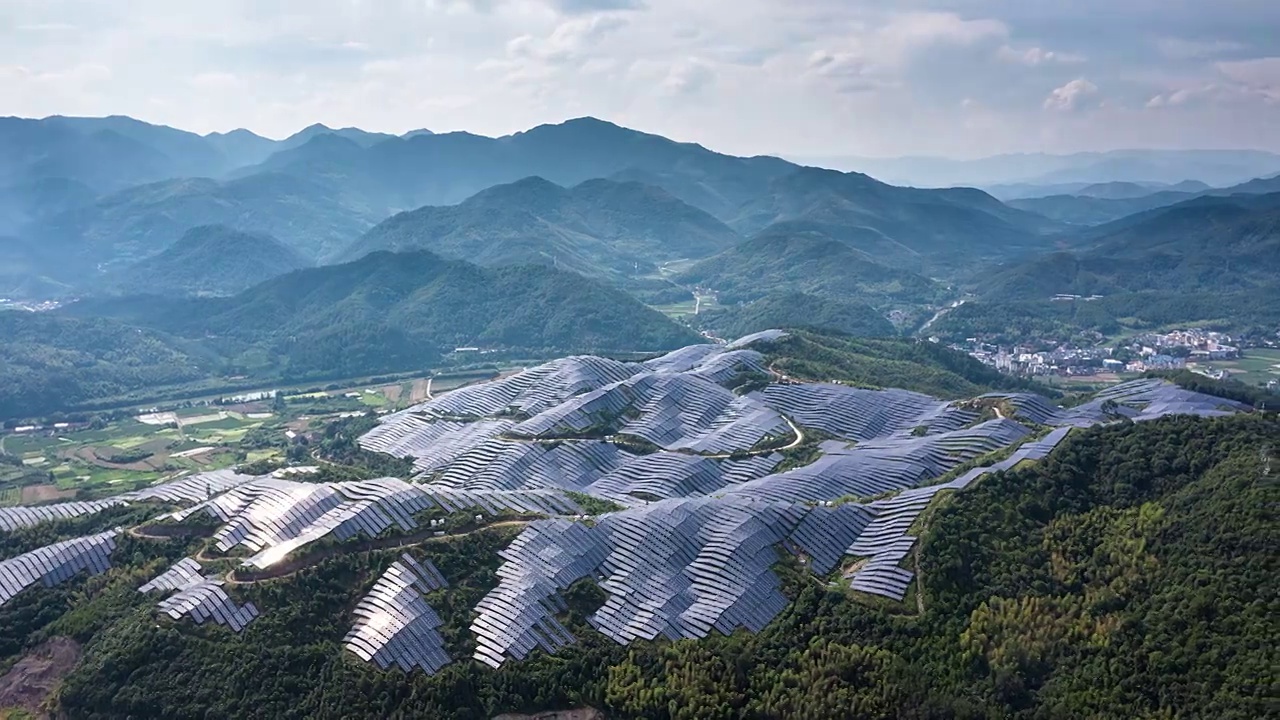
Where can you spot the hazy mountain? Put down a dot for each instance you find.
(27, 272)
(399, 311)
(599, 228)
(241, 147)
(793, 259)
(793, 309)
(207, 260)
(35, 150)
(445, 169)
(1205, 244)
(1215, 167)
(1079, 209)
(928, 231)
(37, 200)
(125, 227)
(360, 137)
(1119, 190)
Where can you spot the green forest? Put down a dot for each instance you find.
(1101, 582)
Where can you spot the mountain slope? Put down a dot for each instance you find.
(51, 361)
(598, 228)
(125, 227)
(1206, 244)
(793, 309)
(447, 168)
(394, 312)
(918, 230)
(208, 260)
(1080, 209)
(792, 257)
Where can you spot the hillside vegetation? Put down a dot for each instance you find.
(208, 260)
(792, 309)
(1066, 588)
(599, 228)
(825, 356)
(796, 257)
(384, 313)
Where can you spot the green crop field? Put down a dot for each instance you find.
(1257, 367)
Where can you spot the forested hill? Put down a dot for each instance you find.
(907, 228)
(1130, 574)
(598, 228)
(800, 257)
(384, 313)
(793, 309)
(1207, 244)
(931, 368)
(208, 260)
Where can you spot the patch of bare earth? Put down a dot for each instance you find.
(418, 392)
(32, 494)
(392, 392)
(35, 677)
(579, 714)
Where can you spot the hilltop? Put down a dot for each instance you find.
(208, 260)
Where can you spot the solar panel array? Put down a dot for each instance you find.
(394, 623)
(54, 564)
(531, 391)
(667, 475)
(432, 443)
(674, 569)
(14, 518)
(518, 465)
(184, 573)
(885, 540)
(194, 488)
(207, 600)
(859, 414)
(1137, 400)
(274, 517)
(883, 465)
(762, 336)
(674, 411)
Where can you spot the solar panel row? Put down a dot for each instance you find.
(394, 623)
(57, 563)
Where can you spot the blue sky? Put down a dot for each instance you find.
(959, 78)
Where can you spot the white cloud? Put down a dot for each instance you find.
(1034, 56)
(688, 77)
(748, 76)
(1259, 76)
(1070, 96)
(1183, 49)
(1240, 81)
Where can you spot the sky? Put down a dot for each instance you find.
(955, 78)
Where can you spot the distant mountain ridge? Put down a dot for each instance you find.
(1215, 167)
(924, 231)
(597, 228)
(1213, 244)
(1082, 209)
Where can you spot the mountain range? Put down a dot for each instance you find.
(1117, 200)
(1215, 167)
(1222, 244)
(598, 228)
(107, 206)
